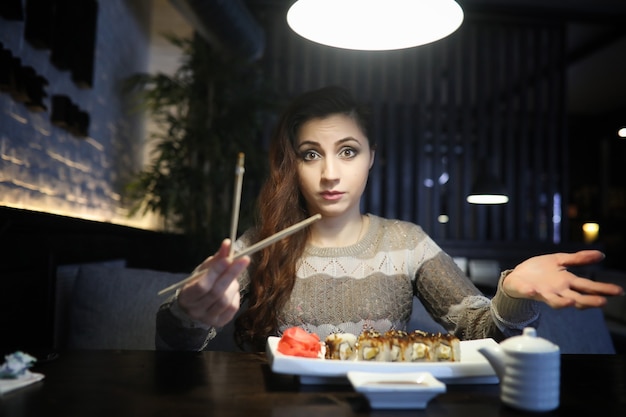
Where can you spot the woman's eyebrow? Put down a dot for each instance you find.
(347, 139)
(339, 142)
(308, 143)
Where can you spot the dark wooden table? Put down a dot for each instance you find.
(146, 383)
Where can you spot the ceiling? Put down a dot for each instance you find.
(596, 44)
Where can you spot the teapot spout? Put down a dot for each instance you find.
(495, 356)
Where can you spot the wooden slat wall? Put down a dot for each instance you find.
(492, 93)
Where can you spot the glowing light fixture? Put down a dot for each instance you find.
(622, 132)
(590, 232)
(488, 190)
(374, 25)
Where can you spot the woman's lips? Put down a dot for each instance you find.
(331, 195)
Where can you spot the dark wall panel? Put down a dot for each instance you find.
(489, 95)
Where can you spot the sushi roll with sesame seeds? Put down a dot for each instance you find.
(372, 346)
(419, 347)
(397, 342)
(446, 348)
(341, 346)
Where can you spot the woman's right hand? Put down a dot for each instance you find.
(213, 298)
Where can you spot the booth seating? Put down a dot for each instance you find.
(109, 306)
(615, 308)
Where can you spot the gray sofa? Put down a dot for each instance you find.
(109, 306)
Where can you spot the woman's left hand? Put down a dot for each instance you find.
(546, 278)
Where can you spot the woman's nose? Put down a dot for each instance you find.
(329, 170)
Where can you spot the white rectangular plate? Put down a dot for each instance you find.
(473, 368)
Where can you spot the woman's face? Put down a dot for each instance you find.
(334, 162)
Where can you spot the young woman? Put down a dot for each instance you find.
(351, 271)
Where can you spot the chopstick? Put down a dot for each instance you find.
(251, 249)
(277, 236)
(239, 170)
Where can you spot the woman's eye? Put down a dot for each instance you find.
(310, 155)
(347, 153)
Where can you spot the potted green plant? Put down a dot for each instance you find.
(206, 113)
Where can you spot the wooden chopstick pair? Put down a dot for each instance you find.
(251, 249)
(239, 171)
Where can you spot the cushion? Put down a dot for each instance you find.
(422, 320)
(485, 272)
(115, 308)
(575, 331)
(615, 308)
(64, 286)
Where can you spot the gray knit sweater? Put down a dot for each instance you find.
(371, 285)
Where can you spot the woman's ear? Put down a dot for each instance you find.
(372, 155)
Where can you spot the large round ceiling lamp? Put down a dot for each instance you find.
(374, 25)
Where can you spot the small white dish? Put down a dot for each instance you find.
(406, 390)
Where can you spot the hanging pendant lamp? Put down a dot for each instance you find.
(374, 25)
(487, 189)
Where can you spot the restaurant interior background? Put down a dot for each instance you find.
(533, 91)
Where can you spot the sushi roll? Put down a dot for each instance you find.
(372, 346)
(397, 344)
(341, 346)
(419, 347)
(446, 348)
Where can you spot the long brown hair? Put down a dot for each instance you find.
(280, 205)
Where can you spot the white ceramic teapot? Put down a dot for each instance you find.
(529, 369)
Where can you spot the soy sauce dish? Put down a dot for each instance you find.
(407, 390)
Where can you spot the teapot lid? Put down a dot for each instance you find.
(529, 342)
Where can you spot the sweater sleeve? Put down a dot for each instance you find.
(175, 330)
(510, 314)
(453, 300)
